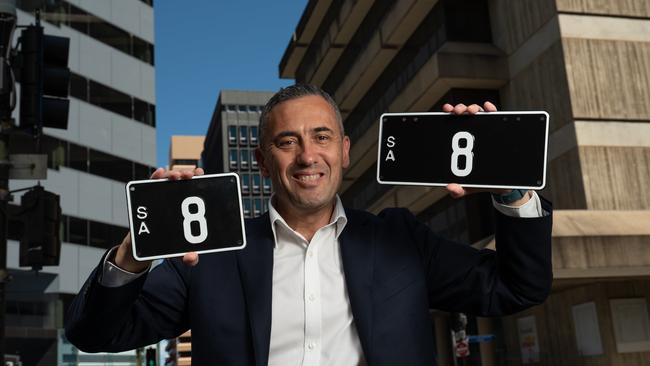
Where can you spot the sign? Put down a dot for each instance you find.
(481, 338)
(462, 348)
(170, 218)
(528, 342)
(490, 150)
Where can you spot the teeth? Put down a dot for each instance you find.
(307, 178)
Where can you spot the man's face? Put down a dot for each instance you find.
(304, 153)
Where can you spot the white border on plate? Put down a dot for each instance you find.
(379, 147)
(153, 181)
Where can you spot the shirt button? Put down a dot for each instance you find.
(311, 345)
(312, 297)
(310, 254)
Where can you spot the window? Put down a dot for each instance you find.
(242, 108)
(631, 325)
(144, 112)
(243, 135)
(254, 135)
(78, 87)
(112, 100)
(256, 183)
(267, 185)
(78, 19)
(257, 207)
(108, 166)
(78, 230)
(245, 183)
(108, 98)
(142, 50)
(253, 161)
(252, 108)
(232, 153)
(232, 135)
(243, 163)
(247, 207)
(230, 108)
(78, 157)
(109, 34)
(587, 331)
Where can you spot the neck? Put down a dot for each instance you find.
(306, 221)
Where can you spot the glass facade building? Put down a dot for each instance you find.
(230, 145)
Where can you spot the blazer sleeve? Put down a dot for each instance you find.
(142, 312)
(484, 282)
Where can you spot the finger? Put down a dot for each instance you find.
(447, 108)
(187, 174)
(489, 107)
(191, 259)
(473, 109)
(460, 108)
(455, 190)
(158, 173)
(173, 175)
(199, 171)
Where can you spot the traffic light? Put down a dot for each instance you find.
(40, 244)
(44, 80)
(150, 357)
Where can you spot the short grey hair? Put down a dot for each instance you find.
(294, 92)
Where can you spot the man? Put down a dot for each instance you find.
(317, 284)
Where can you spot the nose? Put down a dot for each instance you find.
(307, 155)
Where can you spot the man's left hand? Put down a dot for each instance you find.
(456, 190)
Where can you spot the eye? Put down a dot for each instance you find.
(323, 138)
(285, 143)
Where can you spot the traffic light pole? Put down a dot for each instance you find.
(4, 197)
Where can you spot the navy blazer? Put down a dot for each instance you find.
(395, 268)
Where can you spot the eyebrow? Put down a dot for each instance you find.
(295, 134)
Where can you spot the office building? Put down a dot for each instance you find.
(585, 62)
(110, 140)
(185, 152)
(231, 142)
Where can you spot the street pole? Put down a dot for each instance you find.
(7, 26)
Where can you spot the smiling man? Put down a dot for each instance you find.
(317, 284)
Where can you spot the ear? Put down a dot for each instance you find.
(261, 162)
(346, 152)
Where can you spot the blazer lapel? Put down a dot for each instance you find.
(256, 272)
(357, 253)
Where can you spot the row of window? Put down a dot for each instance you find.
(59, 12)
(243, 108)
(64, 153)
(243, 135)
(75, 230)
(243, 159)
(112, 100)
(255, 183)
(255, 207)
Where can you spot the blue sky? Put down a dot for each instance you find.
(203, 46)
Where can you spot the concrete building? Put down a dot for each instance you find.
(110, 140)
(185, 152)
(230, 145)
(585, 62)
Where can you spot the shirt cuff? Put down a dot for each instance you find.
(114, 276)
(532, 208)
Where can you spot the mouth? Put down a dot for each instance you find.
(307, 179)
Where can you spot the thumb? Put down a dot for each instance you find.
(191, 259)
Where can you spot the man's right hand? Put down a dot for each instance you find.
(124, 256)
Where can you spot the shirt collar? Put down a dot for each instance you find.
(338, 216)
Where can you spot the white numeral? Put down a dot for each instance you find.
(189, 217)
(464, 151)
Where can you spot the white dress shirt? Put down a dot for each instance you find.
(311, 317)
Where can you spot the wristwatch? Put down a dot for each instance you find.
(508, 198)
